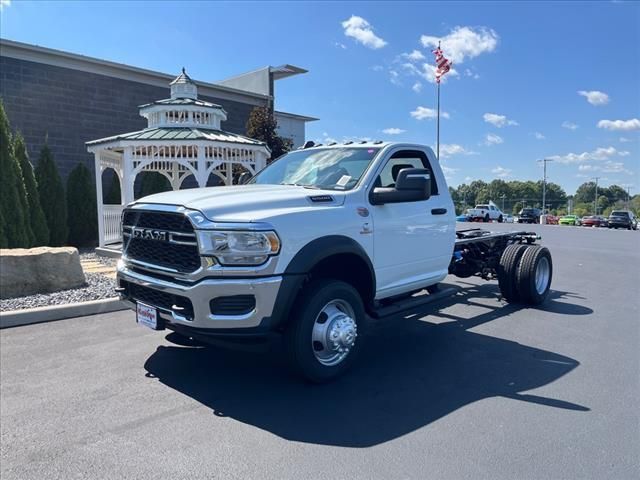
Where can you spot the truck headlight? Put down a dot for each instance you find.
(238, 248)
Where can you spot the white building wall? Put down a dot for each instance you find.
(292, 128)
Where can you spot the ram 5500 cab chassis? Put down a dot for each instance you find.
(315, 246)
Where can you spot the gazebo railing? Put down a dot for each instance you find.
(111, 215)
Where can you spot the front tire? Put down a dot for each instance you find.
(486, 218)
(533, 276)
(322, 341)
(500, 219)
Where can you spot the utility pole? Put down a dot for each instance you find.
(544, 184)
(628, 198)
(595, 200)
(503, 197)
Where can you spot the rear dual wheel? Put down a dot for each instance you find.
(525, 273)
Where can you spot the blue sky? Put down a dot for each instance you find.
(519, 68)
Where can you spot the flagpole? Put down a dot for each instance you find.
(438, 126)
(438, 119)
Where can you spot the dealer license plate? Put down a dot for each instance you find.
(147, 316)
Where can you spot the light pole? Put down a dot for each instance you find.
(503, 196)
(628, 197)
(544, 184)
(595, 200)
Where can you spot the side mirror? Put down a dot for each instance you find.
(412, 185)
(244, 178)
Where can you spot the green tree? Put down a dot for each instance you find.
(37, 220)
(4, 243)
(113, 194)
(52, 198)
(153, 182)
(81, 207)
(262, 125)
(13, 199)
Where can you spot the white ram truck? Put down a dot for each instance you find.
(316, 246)
(485, 213)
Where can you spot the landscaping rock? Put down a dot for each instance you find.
(27, 271)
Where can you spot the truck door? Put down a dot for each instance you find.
(413, 241)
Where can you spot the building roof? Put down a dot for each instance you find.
(295, 116)
(182, 78)
(180, 134)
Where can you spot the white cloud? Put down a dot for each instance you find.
(420, 113)
(451, 149)
(377, 68)
(394, 77)
(600, 153)
(393, 131)
(463, 42)
(607, 167)
(414, 56)
(538, 136)
(417, 87)
(624, 140)
(501, 172)
(498, 120)
(469, 73)
(492, 139)
(624, 125)
(362, 31)
(594, 97)
(340, 45)
(568, 125)
(5, 3)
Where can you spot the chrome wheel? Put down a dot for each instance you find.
(334, 333)
(543, 271)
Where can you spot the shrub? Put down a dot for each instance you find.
(153, 182)
(81, 208)
(36, 216)
(16, 230)
(52, 199)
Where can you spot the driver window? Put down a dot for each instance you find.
(401, 160)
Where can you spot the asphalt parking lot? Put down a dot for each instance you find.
(476, 389)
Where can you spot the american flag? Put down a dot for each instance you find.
(443, 64)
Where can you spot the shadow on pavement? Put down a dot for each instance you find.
(409, 374)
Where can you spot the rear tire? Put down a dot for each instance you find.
(486, 218)
(321, 339)
(500, 219)
(533, 275)
(507, 271)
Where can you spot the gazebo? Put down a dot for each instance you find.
(183, 138)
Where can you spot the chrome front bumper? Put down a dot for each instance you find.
(265, 291)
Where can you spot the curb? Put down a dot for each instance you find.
(108, 252)
(15, 318)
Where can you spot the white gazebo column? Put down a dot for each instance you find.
(128, 177)
(201, 166)
(99, 204)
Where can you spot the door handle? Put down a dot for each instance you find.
(438, 211)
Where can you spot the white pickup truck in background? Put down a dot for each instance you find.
(485, 213)
(321, 242)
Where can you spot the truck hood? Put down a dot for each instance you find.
(246, 203)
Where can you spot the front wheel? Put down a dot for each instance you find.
(322, 340)
(486, 218)
(500, 219)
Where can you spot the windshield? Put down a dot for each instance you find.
(484, 207)
(619, 214)
(323, 168)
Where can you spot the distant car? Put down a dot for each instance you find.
(462, 218)
(552, 220)
(622, 219)
(569, 220)
(593, 221)
(529, 215)
(508, 219)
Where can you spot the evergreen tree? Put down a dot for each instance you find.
(153, 182)
(52, 198)
(113, 193)
(15, 228)
(81, 208)
(262, 125)
(3, 233)
(36, 215)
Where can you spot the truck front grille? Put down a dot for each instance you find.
(156, 298)
(165, 240)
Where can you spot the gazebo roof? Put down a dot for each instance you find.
(182, 101)
(189, 133)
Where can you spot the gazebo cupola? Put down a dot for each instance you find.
(183, 139)
(183, 109)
